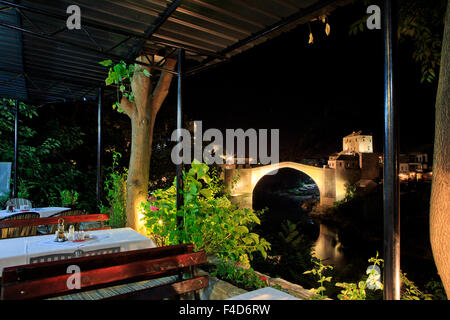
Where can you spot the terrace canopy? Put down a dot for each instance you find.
(42, 61)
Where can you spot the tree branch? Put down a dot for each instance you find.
(142, 88)
(162, 88)
(128, 107)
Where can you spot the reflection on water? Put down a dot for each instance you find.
(290, 196)
(328, 248)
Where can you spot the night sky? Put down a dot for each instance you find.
(315, 94)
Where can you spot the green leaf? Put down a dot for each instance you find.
(106, 63)
(147, 73)
(207, 193)
(242, 229)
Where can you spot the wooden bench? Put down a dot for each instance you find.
(148, 274)
(20, 223)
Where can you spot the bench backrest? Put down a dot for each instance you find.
(53, 220)
(21, 230)
(49, 279)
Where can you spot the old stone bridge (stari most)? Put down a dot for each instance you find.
(331, 185)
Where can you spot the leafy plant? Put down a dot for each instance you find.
(289, 234)
(290, 251)
(116, 194)
(358, 291)
(436, 289)
(410, 291)
(422, 24)
(245, 278)
(350, 192)
(211, 222)
(319, 271)
(121, 76)
(43, 166)
(69, 197)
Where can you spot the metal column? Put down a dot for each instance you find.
(99, 146)
(181, 55)
(391, 184)
(16, 147)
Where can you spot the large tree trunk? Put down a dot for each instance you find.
(139, 167)
(142, 113)
(440, 194)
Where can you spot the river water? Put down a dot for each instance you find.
(348, 243)
(285, 205)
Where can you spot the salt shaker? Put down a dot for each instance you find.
(72, 233)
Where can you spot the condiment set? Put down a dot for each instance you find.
(71, 235)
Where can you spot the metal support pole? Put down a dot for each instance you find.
(390, 183)
(99, 146)
(181, 55)
(16, 147)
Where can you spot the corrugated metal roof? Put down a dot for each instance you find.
(42, 61)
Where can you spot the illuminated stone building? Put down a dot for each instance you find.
(357, 161)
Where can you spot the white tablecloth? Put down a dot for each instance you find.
(19, 251)
(267, 293)
(43, 212)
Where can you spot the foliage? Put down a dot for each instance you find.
(45, 169)
(353, 291)
(3, 200)
(436, 289)
(209, 221)
(216, 184)
(319, 271)
(121, 76)
(350, 192)
(421, 22)
(69, 197)
(115, 186)
(290, 252)
(235, 180)
(410, 291)
(245, 278)
(289, 234)
(367, 286)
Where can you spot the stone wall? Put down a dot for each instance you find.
(221, 290)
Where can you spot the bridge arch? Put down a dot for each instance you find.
(330, 190)
(316, 174)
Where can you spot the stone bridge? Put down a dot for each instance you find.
(331, 186)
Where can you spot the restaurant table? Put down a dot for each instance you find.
(26, 250)
(43, 212)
